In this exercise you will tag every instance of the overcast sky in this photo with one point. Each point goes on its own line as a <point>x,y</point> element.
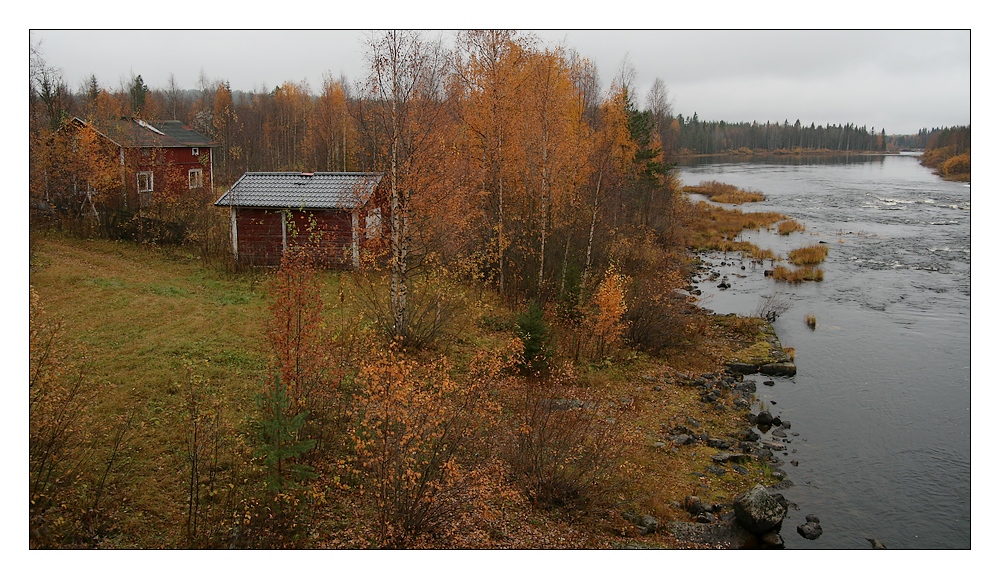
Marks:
<point>897,80</point>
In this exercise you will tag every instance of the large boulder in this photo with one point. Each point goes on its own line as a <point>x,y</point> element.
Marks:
<point>757,511</point>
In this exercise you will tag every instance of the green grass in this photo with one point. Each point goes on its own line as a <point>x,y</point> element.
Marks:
<point>141,320</point>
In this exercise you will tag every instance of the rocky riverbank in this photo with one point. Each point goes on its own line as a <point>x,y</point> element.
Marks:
<point>753,518</point>
<point>757,441</point>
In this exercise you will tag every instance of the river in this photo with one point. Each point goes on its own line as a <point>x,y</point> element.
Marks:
<point>881,404</point>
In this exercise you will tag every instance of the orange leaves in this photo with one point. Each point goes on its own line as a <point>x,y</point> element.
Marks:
<point>616,134</point>
<point>607,323</point>
<point>331,137</point>
<point>413,439</point>
<point>295,326</point>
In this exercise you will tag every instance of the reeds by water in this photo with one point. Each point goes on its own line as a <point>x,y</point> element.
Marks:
<point>725,193</point>
<point>789,226</point>
<point>797,275</point>
<point>811,255</point>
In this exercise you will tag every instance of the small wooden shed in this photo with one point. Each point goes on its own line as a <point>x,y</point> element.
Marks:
<point>335,213</point>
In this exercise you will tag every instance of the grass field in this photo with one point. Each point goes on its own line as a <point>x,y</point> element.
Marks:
<point>150,324</point>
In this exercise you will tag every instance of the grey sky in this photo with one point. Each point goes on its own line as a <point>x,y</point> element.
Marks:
<point>897,80</point>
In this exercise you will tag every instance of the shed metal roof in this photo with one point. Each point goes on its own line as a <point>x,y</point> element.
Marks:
<point>301,190</point>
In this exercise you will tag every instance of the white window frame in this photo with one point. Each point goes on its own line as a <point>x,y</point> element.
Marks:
<point>199,179</point>
<point>138,181</point>
<point>145,194</point>
<point>194,151</point>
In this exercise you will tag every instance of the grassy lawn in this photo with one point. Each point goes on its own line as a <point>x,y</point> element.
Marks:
<point>148,322</point>
<point>143,320</point>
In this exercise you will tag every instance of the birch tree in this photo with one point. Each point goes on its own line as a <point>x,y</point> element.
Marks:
<point>403,107</point>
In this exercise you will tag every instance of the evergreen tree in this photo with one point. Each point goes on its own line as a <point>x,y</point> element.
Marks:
<point>280,444</point>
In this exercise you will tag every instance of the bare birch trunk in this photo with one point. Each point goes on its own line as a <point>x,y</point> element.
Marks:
<point>593,224</point>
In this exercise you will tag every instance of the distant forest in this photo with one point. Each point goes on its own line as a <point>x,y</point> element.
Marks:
<point>691,136</point>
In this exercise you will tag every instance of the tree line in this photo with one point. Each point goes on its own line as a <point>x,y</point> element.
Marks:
<point>949,152</point>
<point>693,136</point>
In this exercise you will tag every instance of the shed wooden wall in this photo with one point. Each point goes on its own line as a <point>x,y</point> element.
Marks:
<point>260,241</point>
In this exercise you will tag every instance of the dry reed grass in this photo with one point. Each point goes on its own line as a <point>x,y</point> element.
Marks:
<point>797,275</point>
<point>811,255</point>
<point>725,193</point>
<point>716,228</point>
<point>790,226</point>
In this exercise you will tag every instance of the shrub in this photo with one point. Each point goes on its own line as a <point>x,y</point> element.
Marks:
<point>433,303</point>
<point>564,452</point>
<point>771,306</point>
<point>295,328</point>
<point>659,319</point>
<point>607,322</point>
<point>59,446</point>
<point>416,426</point>
<point>74,454</point>
<point>811,321</point>
<point>957,165</point>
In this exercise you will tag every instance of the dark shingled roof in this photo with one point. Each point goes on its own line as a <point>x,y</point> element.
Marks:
<point>301,190</point>
<point>137,133</point>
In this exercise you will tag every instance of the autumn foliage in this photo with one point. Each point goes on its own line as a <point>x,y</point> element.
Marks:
<point>417,437</point>
<point>515,186</point>
<point>295,327</point>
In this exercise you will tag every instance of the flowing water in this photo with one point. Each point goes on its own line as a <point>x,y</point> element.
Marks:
<point>881,402</point>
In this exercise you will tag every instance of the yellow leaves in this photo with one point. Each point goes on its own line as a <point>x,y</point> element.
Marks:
<point>607,323</point>
<point>616,133</point>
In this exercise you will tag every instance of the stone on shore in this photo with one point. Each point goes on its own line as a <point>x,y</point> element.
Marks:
<point>757,511</point>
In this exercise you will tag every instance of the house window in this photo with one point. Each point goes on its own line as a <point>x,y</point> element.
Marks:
<point>144,182</point>
<point>194,151</point>
<point>194,179</point>
<point>373,223</point>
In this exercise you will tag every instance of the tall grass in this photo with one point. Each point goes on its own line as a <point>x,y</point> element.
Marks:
<point>811,255</point>
<point>797,275</point>
<point>790,226</point>
<point>725,193</point>
<point>716,228</point>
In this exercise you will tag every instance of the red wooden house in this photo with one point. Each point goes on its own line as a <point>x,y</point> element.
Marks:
<point>335,213</point>
<point>163,158</point>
